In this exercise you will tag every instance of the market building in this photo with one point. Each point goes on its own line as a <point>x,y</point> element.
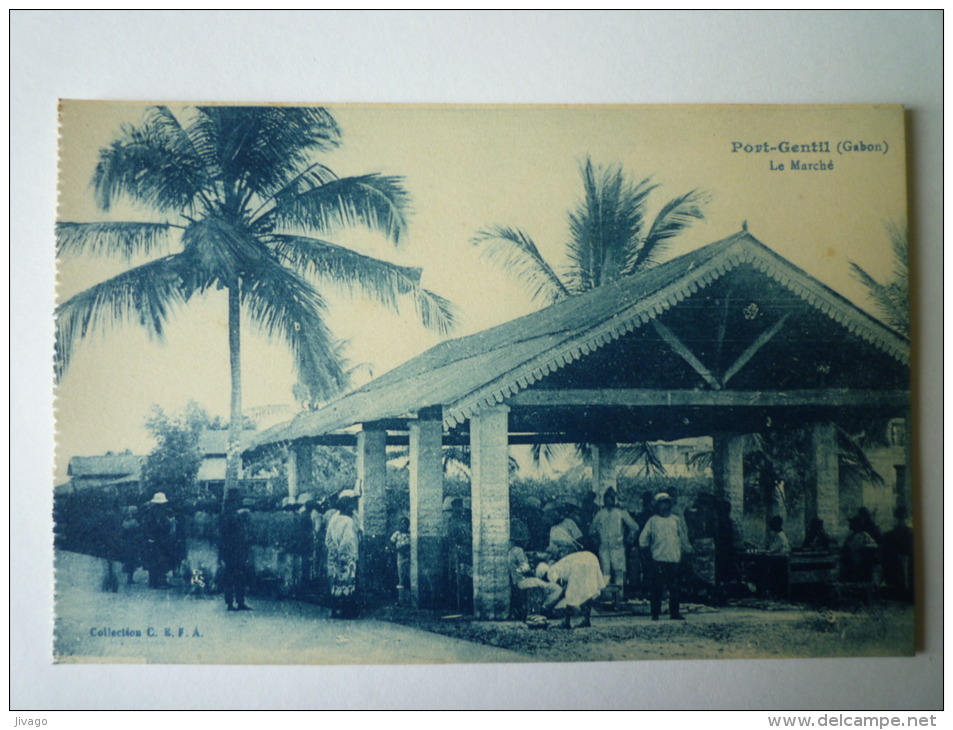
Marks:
<point>728,340</point>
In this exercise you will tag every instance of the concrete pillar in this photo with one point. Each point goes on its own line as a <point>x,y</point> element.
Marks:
<point>372,475</point>
<point>603,470</point>
<point>824,479</point>
<point>300,468</point>
<point>372,515</point>
<point>727,467</point>
<point>426,511</point>
<point>490,491</point>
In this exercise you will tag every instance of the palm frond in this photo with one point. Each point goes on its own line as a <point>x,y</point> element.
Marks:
<point>547,453</point>
<point>348,270</point>
<point>514,251</point>
<point>855,468</point>
<point>436,313</point>
<point>309,400</point>
<point>891,303</point>
<point>899,242</point>
<point>701,460</point>
<point>676,215</point>
<point>892,300</point>
<point>643,455</point>
<point>287,308</point>
<point>191,137</point>
<point>144,295</point>
<point>125,239</point>
<point>378,202</point>
<point>150,165</point>
<point>259,148</point>
<point>354,273</point>
<point>605,227</point>
<point>583,451</point>
<point>183,140</point>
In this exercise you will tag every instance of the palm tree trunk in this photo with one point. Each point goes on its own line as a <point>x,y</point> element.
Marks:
<point>233,454</point>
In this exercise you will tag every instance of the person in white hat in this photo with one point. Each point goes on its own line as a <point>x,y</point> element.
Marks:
<point>666,537</point>
<point>159,531</point>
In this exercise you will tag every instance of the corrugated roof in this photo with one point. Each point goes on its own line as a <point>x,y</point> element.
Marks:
<point>469,373</point>
<point>106,465</point>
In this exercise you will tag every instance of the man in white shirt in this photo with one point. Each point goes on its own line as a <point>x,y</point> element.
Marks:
<point>666,537</point>
<point>611,526</point>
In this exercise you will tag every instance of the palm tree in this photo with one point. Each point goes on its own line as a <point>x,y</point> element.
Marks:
<point>610,237</point>
<point>891,299</point>
<point>240,203</point>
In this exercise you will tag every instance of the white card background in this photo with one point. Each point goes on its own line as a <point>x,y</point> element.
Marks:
<point>516,57</point>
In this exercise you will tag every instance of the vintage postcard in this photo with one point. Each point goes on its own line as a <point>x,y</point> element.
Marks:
<point>365,384</point>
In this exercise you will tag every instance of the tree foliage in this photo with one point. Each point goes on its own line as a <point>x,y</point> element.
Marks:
<point>173,464</point>
<point>891,298</point>
<point>244,206</point>
<point>610,237</point>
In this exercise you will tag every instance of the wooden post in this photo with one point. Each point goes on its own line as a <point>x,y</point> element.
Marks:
<point>426,510</point>
<point>372,475</point>
<point>728,472</point>
<point>825,478</point>
<point>490,491</point>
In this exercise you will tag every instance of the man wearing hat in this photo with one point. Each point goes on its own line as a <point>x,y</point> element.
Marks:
<point>665,536</point>
<point>234,550</point>
<point>159,529</point>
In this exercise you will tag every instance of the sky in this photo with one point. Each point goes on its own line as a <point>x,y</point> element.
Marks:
<point>467,167</point>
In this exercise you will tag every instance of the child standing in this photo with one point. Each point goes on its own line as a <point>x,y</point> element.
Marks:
<point>401,542</point>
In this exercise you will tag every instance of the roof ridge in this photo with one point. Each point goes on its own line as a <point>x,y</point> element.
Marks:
<point>567,330</point>
<point>655,304</point>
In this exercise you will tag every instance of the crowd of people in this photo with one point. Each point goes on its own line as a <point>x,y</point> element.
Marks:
<point>562,558</point>
<point>582,564</point>
<point>295,547</point>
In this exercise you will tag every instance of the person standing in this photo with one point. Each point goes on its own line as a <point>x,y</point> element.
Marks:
<point>159,526</point>
<point>130,539</point>
<point>401,542</point>
<point>859,555</point>
<point>565,537</point>
<point>665,536</point>
<point>234,551</point>
<point>343,546</point>
<point>613,528</point>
